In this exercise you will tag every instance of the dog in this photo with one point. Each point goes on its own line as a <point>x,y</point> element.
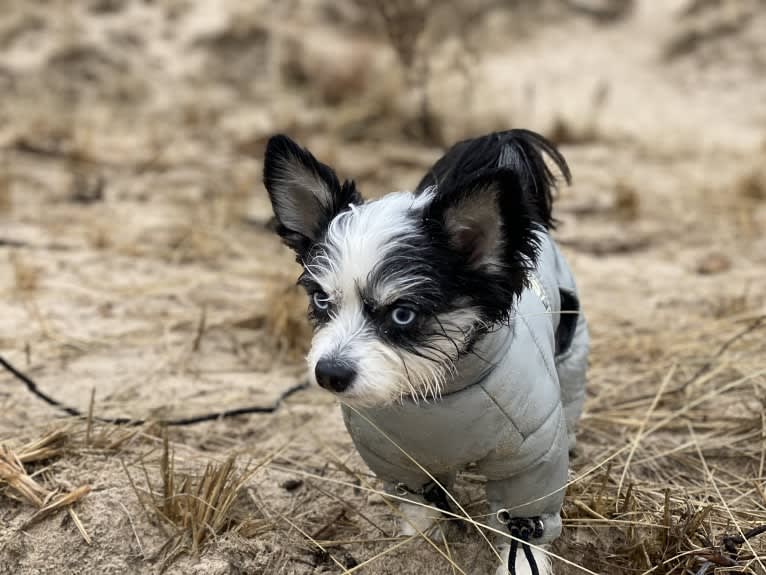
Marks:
<point>448,324</point>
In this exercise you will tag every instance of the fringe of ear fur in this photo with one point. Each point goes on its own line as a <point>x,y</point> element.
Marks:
<point>519,151</point>
<point>284,157</point>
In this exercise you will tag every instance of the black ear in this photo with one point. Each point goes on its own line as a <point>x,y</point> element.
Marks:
<point>492,195</point>
<point>490,223</point>
<point>519,151</point>
<point>305,194</point>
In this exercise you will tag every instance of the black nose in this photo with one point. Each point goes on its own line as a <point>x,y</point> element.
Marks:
<point>334,375</point>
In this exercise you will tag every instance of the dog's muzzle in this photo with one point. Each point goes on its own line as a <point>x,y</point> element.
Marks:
<point>334,375</point>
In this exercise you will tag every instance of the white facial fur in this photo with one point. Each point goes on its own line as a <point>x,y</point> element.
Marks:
<point>357,240</point>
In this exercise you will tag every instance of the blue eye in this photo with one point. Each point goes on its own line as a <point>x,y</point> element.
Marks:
<point>403,316</point>
<point>320,300</point>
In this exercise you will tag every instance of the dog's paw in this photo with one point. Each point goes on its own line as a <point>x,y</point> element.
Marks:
<point>419,519</point>
<point>522,564</point>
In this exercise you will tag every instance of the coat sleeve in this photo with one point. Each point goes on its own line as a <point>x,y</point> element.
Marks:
<point>537,491</point>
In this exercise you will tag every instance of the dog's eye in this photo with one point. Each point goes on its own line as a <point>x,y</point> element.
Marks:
<point>403,316</point>
<point>320,300</point>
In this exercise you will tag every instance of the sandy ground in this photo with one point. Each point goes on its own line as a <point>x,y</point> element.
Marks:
<point>135,263</point>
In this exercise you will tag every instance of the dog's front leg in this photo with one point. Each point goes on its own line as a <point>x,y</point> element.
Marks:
<point>417,518</point>
<point>421,507</point>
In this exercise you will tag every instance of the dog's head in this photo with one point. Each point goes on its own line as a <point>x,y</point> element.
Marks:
<point>402,287</point>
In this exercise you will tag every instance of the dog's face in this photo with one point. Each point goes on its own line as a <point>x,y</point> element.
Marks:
<point>400,288</point>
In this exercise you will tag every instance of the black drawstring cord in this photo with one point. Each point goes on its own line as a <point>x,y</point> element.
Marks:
<point>523,528</point>
<point>527,553</point>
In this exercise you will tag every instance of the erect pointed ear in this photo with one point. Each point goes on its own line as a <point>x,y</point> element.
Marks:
<point>305,194</point>
<point>489,222</point>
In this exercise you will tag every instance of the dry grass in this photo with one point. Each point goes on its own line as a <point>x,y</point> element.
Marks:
<point>749,197</point>
<point>689,482</point>
<point>585,128</point>
<point>285,321</point>
<point>564,131</point>
<point>196,508</point>
<point>15,476</point>
<point>99,237</point>
<point>627,201</point>
<point>26,276</point>
<point>404,23</point>
<point>752,185</point>
<point>6,193</point>
<point>705,23</point>
<point>282,322</point>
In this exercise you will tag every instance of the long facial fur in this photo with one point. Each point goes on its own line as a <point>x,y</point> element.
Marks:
<point>457,250</point>
<point>373,256</point>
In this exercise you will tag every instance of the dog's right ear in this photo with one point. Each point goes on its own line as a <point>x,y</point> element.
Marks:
<point>305,194</point>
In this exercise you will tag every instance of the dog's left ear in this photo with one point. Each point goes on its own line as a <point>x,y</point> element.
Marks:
<point>305,193</point>
<point>489,222</point>
<point>491,197</point>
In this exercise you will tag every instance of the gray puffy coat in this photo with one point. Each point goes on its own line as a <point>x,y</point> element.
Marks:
<point>510,415</point>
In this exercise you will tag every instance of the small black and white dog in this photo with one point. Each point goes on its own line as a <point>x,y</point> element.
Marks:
<point>447,323</point>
